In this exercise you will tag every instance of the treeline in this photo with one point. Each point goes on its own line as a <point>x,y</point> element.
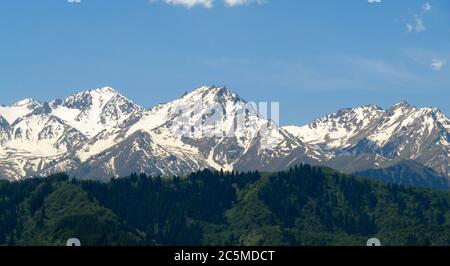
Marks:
<point>302,206</point>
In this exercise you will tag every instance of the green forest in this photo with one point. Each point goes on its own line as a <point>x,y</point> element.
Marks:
<point>305,205</point>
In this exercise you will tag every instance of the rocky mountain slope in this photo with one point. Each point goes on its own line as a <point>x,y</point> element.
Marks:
<point>100,134</point>
<point>370,137</point>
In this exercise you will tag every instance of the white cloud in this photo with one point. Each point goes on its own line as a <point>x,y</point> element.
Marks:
<point>74,1</point>
<point>427,7</point>
<point>374,1</point>
<point>437,64</point>
<point>205,3</point>
<point>418,25</point>
<point>232,3</point>
<point>191,3</point>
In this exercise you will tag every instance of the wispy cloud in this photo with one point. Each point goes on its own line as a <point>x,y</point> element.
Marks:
<point>342,72</point>
<point>191,3</point>
<point>74,1</point>
<point>394,73</point>
<point>417,24</point>
<point>206,3</point>
<point>427,7</point>
<point>427,58</point>
<point>232,3</point>
<point>437,64</point>
<point>374,1</point>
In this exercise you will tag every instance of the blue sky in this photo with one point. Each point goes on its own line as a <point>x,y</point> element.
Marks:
<point>314,57</point>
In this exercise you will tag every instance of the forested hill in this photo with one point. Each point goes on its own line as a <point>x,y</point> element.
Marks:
<point>303,206</point>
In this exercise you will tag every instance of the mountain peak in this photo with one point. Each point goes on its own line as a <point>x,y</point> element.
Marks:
<point>20,109</point>
<point>210,89</point>
<point>214,93</point>
<point>402,104</point>
<point>85,99</point>
<point>105,90</point>
<point>370,107</point>
<point>25,102</point>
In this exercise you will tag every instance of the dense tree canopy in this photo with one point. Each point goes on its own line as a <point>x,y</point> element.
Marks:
<point>302,206</point>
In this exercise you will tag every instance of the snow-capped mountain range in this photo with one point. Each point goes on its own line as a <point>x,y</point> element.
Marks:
<point>381,137</point>
<point>100,134</point>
